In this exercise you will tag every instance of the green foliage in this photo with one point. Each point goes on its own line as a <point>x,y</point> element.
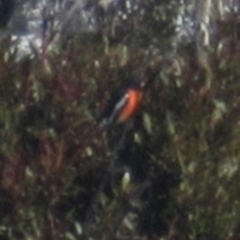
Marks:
<point>182,148</point>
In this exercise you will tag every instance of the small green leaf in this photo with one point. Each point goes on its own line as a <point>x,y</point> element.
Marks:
<point>147,123</point>
<point>70,236</point>
<point>89,151</point>
<point>78,228</point>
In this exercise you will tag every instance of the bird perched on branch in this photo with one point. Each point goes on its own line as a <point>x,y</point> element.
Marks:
<point>122,105</point>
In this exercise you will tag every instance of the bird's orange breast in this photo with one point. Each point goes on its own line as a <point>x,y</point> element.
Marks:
<point>132,105</point>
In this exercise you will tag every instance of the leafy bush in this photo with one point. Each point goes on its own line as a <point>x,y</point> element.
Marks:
<point>60,179</point>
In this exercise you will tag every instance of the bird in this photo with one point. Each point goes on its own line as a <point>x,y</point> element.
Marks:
<point>122,105</point>
<point>125,101</point>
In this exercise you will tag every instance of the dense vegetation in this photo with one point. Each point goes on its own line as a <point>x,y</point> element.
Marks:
<point>62,177</point>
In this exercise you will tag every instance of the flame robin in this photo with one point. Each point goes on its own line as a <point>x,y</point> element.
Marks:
<point>125,102</point>
<point>122,105</point>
